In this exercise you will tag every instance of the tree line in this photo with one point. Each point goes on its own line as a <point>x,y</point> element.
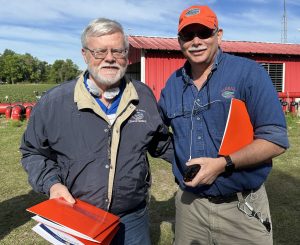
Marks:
<point>24,68</point>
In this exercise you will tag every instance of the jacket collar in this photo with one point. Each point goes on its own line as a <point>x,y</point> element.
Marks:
<point>84,99</point>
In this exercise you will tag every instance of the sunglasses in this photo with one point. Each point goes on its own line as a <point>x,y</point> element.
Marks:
<point>202,34</point>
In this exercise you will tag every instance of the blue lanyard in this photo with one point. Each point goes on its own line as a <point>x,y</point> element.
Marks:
<point>115,104</point>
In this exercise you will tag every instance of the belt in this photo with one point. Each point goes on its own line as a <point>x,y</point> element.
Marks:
<point>226,199</point>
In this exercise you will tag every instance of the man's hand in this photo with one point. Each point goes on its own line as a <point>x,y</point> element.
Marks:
<point>59,190</point>
<point>210,169</point>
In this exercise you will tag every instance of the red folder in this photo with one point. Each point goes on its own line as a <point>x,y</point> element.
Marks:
<point>238,131</point>
<point>81,216</point>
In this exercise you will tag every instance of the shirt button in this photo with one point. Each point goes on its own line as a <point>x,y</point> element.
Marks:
<point>106,130</point>
<point>199,137</point>
<point>106,166</point>
<point>106,200</point>
<point>198,118</point>
<point>198,100</point>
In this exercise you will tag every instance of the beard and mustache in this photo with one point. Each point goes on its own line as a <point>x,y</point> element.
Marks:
<point>100,79</point>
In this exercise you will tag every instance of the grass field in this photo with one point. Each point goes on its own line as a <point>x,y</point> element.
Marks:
<point>283,186</point>
<point>22,92</point>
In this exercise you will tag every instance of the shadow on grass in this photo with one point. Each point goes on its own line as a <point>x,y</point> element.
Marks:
<point>13,211</point>
<point>161,211</point>
<point>284,197</point>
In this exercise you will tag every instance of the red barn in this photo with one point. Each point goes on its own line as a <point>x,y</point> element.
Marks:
<point>153,59</point>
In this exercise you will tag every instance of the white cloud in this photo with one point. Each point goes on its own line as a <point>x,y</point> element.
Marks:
<point>35,34</point>
<point>45,52</point>
<point>29,10</point>
<point>258,24</point>
<point>50,29</point>
<point>46,10</point>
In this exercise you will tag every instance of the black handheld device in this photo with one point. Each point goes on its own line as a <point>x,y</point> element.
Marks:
<point>191,172</point>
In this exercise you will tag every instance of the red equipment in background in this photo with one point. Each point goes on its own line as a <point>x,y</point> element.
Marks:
<point>293,107</point>
<point>3,107</point>
<point>28,111</point>
<point>284,105</point>
<point>16,110</point>
<point>8,112</point>
<point>289,101</point>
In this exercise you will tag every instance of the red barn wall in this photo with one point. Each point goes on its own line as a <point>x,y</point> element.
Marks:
<point>292,71</point>
<point>292,76</point>
<point>159,66</point>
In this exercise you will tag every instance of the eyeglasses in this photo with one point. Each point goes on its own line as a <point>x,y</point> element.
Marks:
<point>202,34</point>
<point>102,53</point>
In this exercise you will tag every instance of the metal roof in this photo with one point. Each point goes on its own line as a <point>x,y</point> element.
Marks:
<point>157,43</point>
<point>170,43</point>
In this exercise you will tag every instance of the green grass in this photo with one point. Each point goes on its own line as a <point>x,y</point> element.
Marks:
<point>15,194</point>
<point>283,186</point>
<point>22,92</point>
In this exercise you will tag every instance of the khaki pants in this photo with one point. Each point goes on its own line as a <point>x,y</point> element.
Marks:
<point>199,221</point>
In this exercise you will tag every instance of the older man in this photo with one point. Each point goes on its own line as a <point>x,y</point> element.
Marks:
<point>89,138</point>
<point>226,202</point>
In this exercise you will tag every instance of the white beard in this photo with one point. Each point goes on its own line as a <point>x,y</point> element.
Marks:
<point>102,80</point>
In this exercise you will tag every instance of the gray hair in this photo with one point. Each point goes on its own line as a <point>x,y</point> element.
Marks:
<point>100,27</point>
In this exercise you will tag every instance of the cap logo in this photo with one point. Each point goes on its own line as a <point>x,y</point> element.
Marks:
<point>192,12</point>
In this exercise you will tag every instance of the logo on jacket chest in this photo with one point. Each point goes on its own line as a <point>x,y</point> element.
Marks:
<point>228,92</point>
<point>138,117</point>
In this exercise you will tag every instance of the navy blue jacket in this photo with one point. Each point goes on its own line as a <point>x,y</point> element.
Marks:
<point>200,133</point>
<point>69,140</point>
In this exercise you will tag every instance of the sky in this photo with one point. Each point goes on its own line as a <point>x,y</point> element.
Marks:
<point>51,29</point>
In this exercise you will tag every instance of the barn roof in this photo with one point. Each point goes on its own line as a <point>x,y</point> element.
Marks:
<point>169,43</point>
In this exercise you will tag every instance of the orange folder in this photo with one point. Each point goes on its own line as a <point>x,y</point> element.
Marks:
<point>81,217</point>
<point>238,131</point>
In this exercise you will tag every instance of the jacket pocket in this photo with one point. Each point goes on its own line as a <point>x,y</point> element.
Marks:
<point>74,168</point>
<point>132,186</point>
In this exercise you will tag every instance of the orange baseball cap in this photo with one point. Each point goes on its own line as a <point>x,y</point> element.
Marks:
<point>198,15</point>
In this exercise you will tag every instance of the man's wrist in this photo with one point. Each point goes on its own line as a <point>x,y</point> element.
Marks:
<point>49,183</point>
<point>230,166</point>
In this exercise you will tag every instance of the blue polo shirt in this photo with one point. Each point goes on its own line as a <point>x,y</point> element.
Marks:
<point>198,118</point>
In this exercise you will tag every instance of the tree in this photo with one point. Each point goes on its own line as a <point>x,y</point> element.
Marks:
<point>36,70</point>
<point>63,70</point>
<point>16,68</point>
<point>12,67</point>
<point>71,70</point>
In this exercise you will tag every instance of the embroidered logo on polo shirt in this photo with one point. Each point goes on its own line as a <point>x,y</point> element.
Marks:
<point>228,92</point>
<point>138,117</point>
